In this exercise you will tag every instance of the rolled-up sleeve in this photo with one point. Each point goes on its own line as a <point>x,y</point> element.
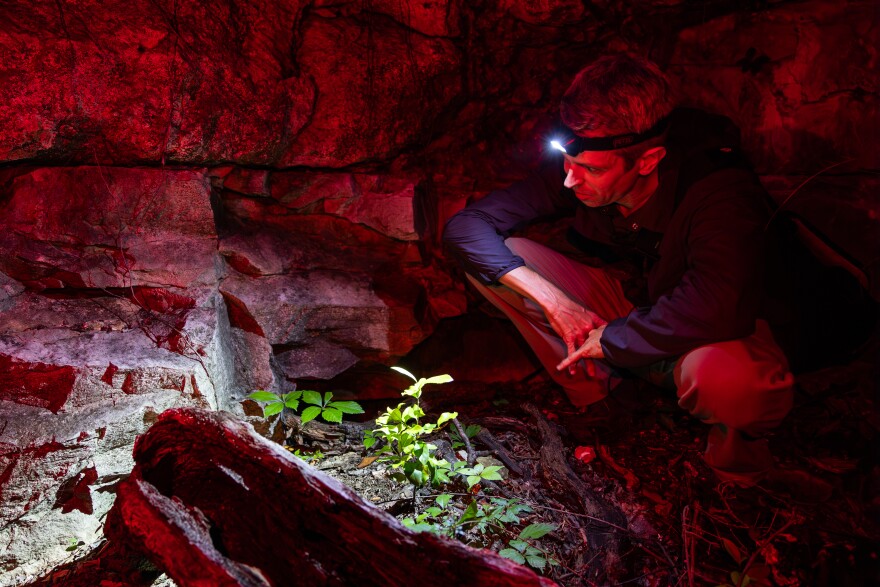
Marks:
<point>475,236</point>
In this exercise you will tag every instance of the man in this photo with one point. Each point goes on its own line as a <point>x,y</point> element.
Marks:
<point>665,192</point>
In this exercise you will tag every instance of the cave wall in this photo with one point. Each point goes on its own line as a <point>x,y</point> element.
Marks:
<point>198,199</point>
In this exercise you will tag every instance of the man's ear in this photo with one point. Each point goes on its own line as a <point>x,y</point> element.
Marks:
<point>650,159</point>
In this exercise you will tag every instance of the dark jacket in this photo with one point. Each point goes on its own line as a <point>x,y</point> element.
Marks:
<point>699,239</point>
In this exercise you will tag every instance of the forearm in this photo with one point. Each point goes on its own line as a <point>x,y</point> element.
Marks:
<point>531,285</point>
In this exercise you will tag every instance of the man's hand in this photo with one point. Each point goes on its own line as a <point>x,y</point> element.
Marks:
<point>571,321</point>
<point>591,349</point>
<point>576,325</point>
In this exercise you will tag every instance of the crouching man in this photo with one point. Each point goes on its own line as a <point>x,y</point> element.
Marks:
<point>666,192</point>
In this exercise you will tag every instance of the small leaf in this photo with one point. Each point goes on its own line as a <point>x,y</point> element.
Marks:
<point>443,500</point>
<point>291,395</point>
<point>263,396</point>
<point>347,407</point>
<point>536,561</point>
<point>519,545</point>
<point>473,480</point>
<point>310,413</point>
<point>312,397</point>
<point>534,531</point>
<point>445,417</point>
<point>513,555</point>
<point>328,395</point>
<point>433,511</point>
<point>272,409</point>
<point>369,441</point>
<point>331,415</point>
<point>438,379</point>
<point>472,430</point>
<point>293,404</point>
<point>405,372</point>
<point>492,473</point>
<point>732,550</point>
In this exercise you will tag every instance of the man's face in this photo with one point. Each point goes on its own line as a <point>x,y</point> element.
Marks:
<point>599,178</point>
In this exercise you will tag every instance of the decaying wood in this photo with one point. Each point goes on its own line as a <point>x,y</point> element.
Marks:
<point>559,477</point>
<point>212,503</point>
<point>489,440</point>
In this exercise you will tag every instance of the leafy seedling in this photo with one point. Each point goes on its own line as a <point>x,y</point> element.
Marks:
<point>328,410</point>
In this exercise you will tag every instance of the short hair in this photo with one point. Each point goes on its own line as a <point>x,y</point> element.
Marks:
<point>617,94</point>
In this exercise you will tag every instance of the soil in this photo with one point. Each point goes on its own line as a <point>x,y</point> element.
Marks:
<point>642,458</point>
<point>656,514</point>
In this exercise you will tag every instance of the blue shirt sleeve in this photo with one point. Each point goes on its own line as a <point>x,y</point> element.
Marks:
<point>475,235</point>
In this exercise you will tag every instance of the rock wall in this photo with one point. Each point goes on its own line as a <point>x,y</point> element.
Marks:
<point>199,198</point>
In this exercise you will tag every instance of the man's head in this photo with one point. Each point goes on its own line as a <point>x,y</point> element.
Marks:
<point>616,95</point>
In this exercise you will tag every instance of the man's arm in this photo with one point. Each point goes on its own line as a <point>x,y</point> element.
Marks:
<point>475,235</point>
<point>571,321</point>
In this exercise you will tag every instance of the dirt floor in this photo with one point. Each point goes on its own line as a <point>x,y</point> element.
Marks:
<point>629,497</point>
<point>669,521</point>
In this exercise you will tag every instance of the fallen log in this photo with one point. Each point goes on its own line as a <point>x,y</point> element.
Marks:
<point>210,502</point>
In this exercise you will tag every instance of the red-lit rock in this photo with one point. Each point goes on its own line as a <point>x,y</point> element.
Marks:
<point>796,81</point>
<point>90,227</point>
<point>377,88</point>
<point>127,82</point>
<point>436,18</point>
<point>35,384</point>
<point>177,511</point>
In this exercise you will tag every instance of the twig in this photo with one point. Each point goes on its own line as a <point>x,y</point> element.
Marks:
<point>471,457</point>
<point>798,188</point>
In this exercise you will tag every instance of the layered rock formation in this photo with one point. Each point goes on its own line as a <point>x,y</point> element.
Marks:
<point>199,199</point>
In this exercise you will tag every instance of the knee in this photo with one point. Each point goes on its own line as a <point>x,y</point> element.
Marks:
<point>726,384</point>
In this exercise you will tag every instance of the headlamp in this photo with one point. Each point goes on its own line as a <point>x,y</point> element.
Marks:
<point>574,144</point>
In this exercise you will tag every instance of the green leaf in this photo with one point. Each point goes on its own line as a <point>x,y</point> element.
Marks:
<point>492,473</point>
<point>405,372</point>
<point>331,415</point>
<point>312,397</point>
<point>291,395</point>
<point>263,396</point>
<point>536,561</point>
<point>438,379</point>
<point>519,545</point>
<point>443,500</point>
<point>347,407</point>
<point>473,480</point>
<point>293,404</point>
<point>433,511</point>
<point>310,413</point>
<point>534,531</point>
<point>513,555</point>
<point>272,409</point>
<point>369,441</point>
<point>418,477</point>
<point>328,395</point>
<point>445,417</point>
<point>473,430</point>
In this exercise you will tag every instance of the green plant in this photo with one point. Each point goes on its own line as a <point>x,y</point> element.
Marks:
<point>400,429</point>
<point>471,431</point>
<point>478,472</point>
<point>309,457</point>
<point>523,552</point>
<point>319,405</point>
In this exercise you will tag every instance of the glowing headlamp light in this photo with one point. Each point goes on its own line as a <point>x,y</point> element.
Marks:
<point>558,146</point>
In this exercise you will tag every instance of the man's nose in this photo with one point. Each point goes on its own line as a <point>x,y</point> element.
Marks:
<point>570,179</point>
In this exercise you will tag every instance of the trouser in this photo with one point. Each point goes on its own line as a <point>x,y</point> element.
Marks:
<point>742,387</point>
